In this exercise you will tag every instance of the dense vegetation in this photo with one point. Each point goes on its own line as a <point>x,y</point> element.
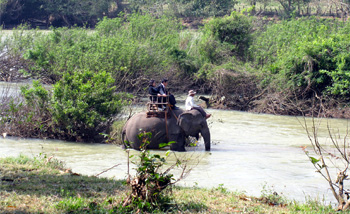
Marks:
<point>291,66</point>
<point>308,57</point>
<point>58,13</point>
<point>280,67</point>
<point>80,107</point>
<point>294,66</point>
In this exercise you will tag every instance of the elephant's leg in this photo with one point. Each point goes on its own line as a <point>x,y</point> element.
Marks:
<point>179,144</point>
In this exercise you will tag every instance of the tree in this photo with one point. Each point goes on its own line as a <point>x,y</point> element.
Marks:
<point>3,4</point>
<point>290,6</point>
<point>69,12</point>
<point>331,161</point>
<point>77,12</point>
<point>18,11</point>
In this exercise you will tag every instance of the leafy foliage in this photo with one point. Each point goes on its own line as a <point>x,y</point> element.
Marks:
<point>130,49</point>
<point>303,57</point>
<point>79,107</point>
<point>84,103</point>
<point>235,30</point>
<point>224,42</point>
<point>309,54</point>
<point>149,181</point>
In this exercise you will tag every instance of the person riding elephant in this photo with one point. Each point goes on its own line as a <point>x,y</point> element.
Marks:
<point>189,104</point>
<point>177,128</point>
<point>164,92</point>
<point>153,91</point>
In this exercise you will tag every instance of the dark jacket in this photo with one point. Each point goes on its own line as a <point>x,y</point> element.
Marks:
<point>154,92</point>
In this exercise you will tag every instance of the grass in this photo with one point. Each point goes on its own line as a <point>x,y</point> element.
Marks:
<point>43,185</point>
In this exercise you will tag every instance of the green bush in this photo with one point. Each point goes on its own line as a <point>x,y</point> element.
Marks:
<point>306,54</point>
<point>36,97</point>
<point>220,45</point>
<point>235,30</point>
<point>79,107</point>
<point>85,103</point>
<point>151,179</point>
<point>141,46</point>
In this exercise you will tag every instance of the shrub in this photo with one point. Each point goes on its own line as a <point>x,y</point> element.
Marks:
<point>308,55</point>
<point>149,181</point>
<point>152,178</point>
<point>26,116</point>
<point>135,48</point>
<point>330,158</point>
<point>235,30</point>
<point>80,107</point>
<point>85,103</point>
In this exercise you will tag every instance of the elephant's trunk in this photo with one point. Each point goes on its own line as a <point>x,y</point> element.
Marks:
<point>206,136</point>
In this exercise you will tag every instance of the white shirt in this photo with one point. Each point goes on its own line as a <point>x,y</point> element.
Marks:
<point>162,89</point>
<point>190,103</point>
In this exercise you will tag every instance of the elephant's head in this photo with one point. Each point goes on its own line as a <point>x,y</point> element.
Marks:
<point>192,123</point>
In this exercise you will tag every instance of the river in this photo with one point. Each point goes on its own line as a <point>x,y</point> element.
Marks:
<point>250,152</point>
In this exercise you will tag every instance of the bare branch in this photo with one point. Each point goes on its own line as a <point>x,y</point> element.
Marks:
<point>107,170</point>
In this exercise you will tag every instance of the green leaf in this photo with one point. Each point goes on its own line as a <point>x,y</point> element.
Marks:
<point>161,145</point>
<point>314,160</point>
<point>167,153</point>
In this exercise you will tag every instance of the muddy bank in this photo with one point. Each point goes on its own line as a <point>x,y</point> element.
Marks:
<point>243,92</point>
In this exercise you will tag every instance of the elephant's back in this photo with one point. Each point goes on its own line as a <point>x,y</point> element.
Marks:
<point>141,123</point>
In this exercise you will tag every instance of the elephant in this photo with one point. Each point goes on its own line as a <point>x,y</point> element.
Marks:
<point>180,124</point>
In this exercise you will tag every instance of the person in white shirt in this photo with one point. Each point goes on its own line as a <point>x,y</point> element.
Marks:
<point>189,104</point>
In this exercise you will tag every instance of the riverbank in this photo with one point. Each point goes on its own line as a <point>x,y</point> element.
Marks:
<point>44,185</point>
<point>282,76</point>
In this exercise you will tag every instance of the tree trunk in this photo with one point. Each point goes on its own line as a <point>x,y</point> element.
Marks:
<point>65,19</point>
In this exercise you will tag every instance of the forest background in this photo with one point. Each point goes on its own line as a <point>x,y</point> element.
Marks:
<point>286,57</point>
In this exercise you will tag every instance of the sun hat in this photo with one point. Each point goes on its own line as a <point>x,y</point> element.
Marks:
<point>191,92</point>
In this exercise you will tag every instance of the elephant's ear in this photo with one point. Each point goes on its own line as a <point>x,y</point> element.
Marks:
<point>184,120</point>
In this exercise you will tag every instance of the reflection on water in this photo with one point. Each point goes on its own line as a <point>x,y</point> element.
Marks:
<point>249,151</point>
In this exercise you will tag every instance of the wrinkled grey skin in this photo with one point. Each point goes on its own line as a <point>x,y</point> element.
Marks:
<point>186,123</point>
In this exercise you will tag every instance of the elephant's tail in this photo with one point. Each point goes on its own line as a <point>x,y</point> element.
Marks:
<point>124,141</point>
<point>123,138</point>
